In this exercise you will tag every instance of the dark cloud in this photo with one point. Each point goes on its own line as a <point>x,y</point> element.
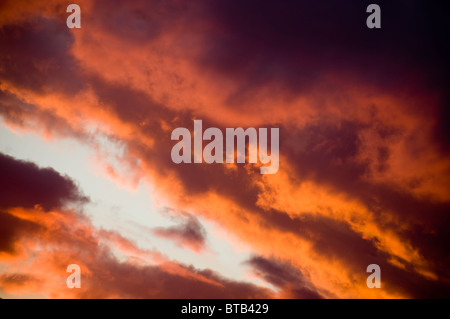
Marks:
<point>190,233</point>
<point>144,20</point>
<point>131,281</point>
<point>327,152</point>
<point>35,56</point>
<point>12,229</point>
<point>288,278</point>
<point>23,184</point>
<point>301,40</point>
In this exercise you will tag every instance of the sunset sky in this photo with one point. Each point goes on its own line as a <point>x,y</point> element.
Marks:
<point>86,175</point>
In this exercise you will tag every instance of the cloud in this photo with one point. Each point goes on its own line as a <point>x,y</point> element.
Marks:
<point>284,276</point>
<point>364,166</point>
<point>24,184</point>
<point>13,228</point>
<point>190,234</point>
<point>51,239</point>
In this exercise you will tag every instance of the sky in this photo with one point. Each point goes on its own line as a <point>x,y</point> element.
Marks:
<point>86,175</point>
